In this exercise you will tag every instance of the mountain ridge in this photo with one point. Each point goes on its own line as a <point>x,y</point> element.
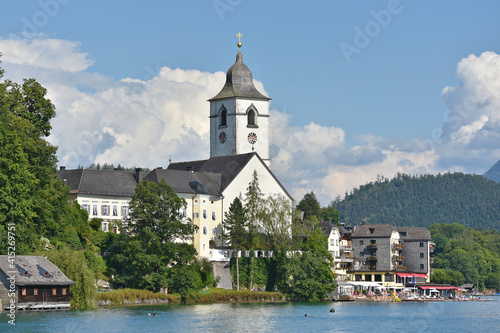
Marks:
<point>420,201</point>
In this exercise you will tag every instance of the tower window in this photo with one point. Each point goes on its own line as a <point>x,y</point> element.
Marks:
<point>223,118</point>
<point>251,117</point>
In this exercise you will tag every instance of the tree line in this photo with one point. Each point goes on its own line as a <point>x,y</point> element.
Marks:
<point>470,200</point>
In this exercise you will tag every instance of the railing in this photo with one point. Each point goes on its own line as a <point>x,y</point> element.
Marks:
<point>398,246</point>
<point>372,258</point>
<point>346,258</point>
<point>345,248</point>
<point>372,247</point>
<point>367,268</point>
<point>400,268</point>
<point>398,258</point>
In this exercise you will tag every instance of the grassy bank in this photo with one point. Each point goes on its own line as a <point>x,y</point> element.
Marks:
<point>223,296</point>
<point>135,296</point>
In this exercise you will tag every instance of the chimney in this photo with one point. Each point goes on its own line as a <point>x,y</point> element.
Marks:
<point>62,167</point>
<point>138,175</point>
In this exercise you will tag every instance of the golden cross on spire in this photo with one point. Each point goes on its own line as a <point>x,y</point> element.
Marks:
<point>239,35</point>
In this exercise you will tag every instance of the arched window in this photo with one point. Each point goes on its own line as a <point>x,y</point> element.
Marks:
<point>223,118</point>
<point>251,117</point>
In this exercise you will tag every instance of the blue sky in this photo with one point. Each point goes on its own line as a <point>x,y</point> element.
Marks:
<point>358,88</point>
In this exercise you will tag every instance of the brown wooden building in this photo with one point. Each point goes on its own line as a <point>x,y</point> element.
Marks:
<point>34,282</point>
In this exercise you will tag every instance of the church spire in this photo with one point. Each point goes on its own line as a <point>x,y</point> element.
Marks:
<point>239,80</point>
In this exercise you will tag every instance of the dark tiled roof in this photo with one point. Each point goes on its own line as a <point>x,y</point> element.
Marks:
<point>239,82</point>
<point>414,233</point>
<point>100,182</point>
<point>227,166</point>
<point>34,270</point>
<point>187,181</point>
<point>379,230</point>
<point>326,227</point>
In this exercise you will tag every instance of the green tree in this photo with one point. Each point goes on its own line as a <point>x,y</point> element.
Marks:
<point>277,222</point>
<point>310,206</point>
<point>330,214</point>
<point>308,277</point>
<point>155,247</point>
<point>254,199</point>
<point>235,228</point>
<point>74,266</point>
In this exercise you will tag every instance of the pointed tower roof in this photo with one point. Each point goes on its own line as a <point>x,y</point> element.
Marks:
<point>239,82</point>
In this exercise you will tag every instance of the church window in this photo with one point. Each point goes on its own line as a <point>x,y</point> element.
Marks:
<point>251,117</point>
<point>223,118</point>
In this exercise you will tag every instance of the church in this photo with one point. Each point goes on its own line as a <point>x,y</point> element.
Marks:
<point>239,146</point>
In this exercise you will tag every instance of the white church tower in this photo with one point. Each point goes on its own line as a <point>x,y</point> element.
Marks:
<point>239,115</point>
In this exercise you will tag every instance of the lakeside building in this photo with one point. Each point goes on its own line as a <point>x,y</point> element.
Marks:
<point>38,283</point>
<point>379,255</point>
<point>239,146</point>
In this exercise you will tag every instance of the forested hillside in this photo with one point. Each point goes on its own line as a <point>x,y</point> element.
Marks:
<point>470,200</point>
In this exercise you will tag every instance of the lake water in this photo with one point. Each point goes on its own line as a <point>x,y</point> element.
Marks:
<point>264,317</point>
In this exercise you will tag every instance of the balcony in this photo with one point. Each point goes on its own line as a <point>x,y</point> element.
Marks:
<point>347,258</point>
<point>345,248</point>
<point>400,268</point>
<point>372,247</point>
<point>368,268</point>
<point>371,258</point>
<point>398,246</point>
<point>398,258</point>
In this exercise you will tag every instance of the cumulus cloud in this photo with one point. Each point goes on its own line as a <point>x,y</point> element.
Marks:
<point>142,122</point>
<point>471,132</point>
<point>54,54</point>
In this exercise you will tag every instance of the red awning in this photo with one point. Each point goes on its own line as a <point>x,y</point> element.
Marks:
<point>410,275</point>
<point>439,287</point>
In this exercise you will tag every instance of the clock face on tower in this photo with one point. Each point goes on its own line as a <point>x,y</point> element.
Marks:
<point>252,137</point>
<point>222,137</point>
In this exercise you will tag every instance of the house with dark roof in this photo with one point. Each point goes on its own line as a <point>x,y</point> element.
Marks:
<point>104,194</point>
<point>33,282</point>
<point>393,256</point>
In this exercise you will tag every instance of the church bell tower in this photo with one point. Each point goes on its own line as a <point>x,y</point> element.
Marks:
<point>239,115</point>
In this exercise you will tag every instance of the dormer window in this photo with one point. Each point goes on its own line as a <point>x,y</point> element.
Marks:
<point>26,273</point>
<point>47,274</point>
<point>371,230</point>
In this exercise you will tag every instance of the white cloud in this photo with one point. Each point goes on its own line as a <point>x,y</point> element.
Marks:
<point>471,132</point>
<point>54,54</point>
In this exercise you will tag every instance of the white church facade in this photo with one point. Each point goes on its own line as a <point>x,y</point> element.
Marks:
<point>239,146</point>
